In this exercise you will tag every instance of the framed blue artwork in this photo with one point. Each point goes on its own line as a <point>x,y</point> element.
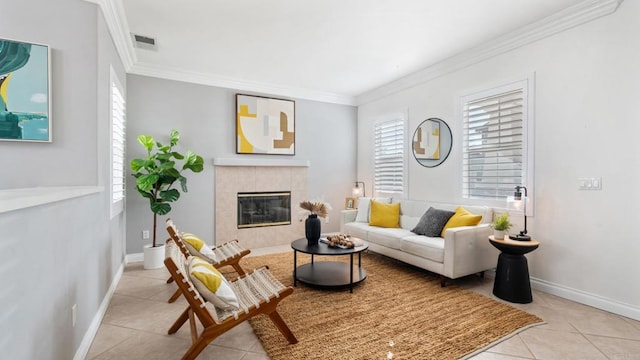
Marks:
<point>25,96</point>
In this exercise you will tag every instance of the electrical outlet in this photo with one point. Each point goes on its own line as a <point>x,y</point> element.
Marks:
<point>74,311</point>
<point>145,234</point>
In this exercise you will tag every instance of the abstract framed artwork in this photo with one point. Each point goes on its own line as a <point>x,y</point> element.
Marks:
<point>265,125</point>
<point>25,84</point>
<point>432,142</point>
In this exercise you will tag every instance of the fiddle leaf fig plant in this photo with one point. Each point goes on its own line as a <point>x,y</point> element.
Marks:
<point>157,174</point>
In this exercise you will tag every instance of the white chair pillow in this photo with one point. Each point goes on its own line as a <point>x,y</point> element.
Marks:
<point>197,247</point>
<point>211,284</point>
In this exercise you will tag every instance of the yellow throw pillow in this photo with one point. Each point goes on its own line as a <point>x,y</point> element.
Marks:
<point>211,284</point>
<point>197,247</point>
<point>385,215</point>
<point>462,217</point>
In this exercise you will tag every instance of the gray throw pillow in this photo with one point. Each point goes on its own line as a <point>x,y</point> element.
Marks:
<point>432,222</point>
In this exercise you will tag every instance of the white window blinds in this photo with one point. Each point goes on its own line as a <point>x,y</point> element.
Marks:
<point>118,127</point>
<point>389,156</point>
<point>494,152</point>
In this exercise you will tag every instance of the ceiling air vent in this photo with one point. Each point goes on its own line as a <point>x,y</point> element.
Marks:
<point>144,42</point>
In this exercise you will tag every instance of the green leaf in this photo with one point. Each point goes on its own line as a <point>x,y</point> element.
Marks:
<point>164,156</point>
<point>193,162</point>
<point>146,141</point>
<point>146,194</point>
<point>146,182</point>
<point>172,172</point>
<point>160,208</point>
<point>183,183</point>
<point>165,148</point>
<point>175,137</point>
<point>170,195</point>
<point>167,165</point>
<point>137,164</point>
<point>177,155</point>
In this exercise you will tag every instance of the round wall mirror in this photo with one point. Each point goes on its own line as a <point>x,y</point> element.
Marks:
<point>432,142</point>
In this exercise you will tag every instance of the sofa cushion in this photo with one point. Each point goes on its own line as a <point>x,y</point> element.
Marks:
<point>363,207</point>
<point>431,248</point>
<point>384,215</point>
<point>462,217</point>
<point>357,229</point>
<point>389,237</point>
<point>211,284</point>
<point>432,222</point>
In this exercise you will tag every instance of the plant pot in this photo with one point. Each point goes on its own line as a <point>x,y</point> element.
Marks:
<point>153,256</point>
<point>312,229</point>
<point>498,234</point>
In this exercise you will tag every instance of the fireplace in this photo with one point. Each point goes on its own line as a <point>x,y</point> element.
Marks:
<point>258,209</point>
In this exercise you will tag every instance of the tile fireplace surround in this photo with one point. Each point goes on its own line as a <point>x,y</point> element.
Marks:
<point>246,175</point>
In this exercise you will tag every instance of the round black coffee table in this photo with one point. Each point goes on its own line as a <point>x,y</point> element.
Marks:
<point>327,273</point>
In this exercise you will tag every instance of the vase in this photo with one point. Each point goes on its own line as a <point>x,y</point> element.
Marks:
<point>312,229</point>
<point>498,234</point>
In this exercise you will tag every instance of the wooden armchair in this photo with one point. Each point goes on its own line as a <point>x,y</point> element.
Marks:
<point>228,253</point>
<point>258,292</point>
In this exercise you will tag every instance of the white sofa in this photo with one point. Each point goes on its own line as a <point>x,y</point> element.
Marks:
<point>463,251</point>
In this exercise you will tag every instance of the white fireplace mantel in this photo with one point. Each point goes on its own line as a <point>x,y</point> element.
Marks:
<point>260,162</point>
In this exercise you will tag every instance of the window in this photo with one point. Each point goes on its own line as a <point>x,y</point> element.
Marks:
<point>118,127</point>
<point>389,155</point>
<point>496,136</point>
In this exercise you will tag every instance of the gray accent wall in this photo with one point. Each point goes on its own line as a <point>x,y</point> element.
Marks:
<point>67,252</point>
<point>205,117</point>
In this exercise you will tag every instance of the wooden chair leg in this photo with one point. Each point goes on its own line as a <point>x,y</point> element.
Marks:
<point>196,348</point>
<point>282,326</point>
<point>179,321</point>
<point>238,269</point>
<point>169,280</point>
<point>175,296</point>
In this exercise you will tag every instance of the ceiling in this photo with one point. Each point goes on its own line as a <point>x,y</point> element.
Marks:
<point>339,48</point>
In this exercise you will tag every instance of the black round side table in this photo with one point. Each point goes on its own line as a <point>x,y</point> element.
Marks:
<point>512,273</point>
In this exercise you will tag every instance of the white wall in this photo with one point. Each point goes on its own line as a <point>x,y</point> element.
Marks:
<point>205,115</point>
<point>586,124</point>
<point>68,252</point>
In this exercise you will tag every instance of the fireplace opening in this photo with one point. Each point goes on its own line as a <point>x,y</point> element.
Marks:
<point>256,209</point>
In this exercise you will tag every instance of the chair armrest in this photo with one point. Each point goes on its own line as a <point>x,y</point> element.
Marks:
<point>467,250</point>
<point>347,216</point>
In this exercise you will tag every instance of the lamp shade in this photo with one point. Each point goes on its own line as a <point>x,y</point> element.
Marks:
<point>515,205</point>
<point>358,190</point>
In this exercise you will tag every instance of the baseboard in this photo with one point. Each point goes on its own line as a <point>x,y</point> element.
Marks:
<point>85,345</point>
<point>137,257</point>
<point>597,301</point>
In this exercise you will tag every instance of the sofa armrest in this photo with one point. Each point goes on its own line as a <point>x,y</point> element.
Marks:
<point>347,216</point>
<point>467,250</point>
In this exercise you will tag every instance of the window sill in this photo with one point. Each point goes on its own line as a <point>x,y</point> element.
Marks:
<point>16,199</point>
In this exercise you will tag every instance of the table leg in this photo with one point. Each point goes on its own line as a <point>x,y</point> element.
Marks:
<point>295,267</point>
<point>351,274</point>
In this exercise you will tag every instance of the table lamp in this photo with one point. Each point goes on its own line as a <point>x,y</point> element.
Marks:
<point>357,191</point>
<point>517,202</point>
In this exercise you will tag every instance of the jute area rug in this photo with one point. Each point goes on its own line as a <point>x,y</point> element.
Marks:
<point>397,309</point>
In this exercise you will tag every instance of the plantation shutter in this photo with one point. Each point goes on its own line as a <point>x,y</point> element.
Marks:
<point>118,118</point>
<point>389,156</point>
<point>493,145</point>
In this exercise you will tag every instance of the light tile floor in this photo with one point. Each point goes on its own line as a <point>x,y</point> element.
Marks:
<point>138,317</point>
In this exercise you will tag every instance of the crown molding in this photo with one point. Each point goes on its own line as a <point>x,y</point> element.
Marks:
<point>116,20</point>
<point>154,70</point>
<point>566,19</point>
